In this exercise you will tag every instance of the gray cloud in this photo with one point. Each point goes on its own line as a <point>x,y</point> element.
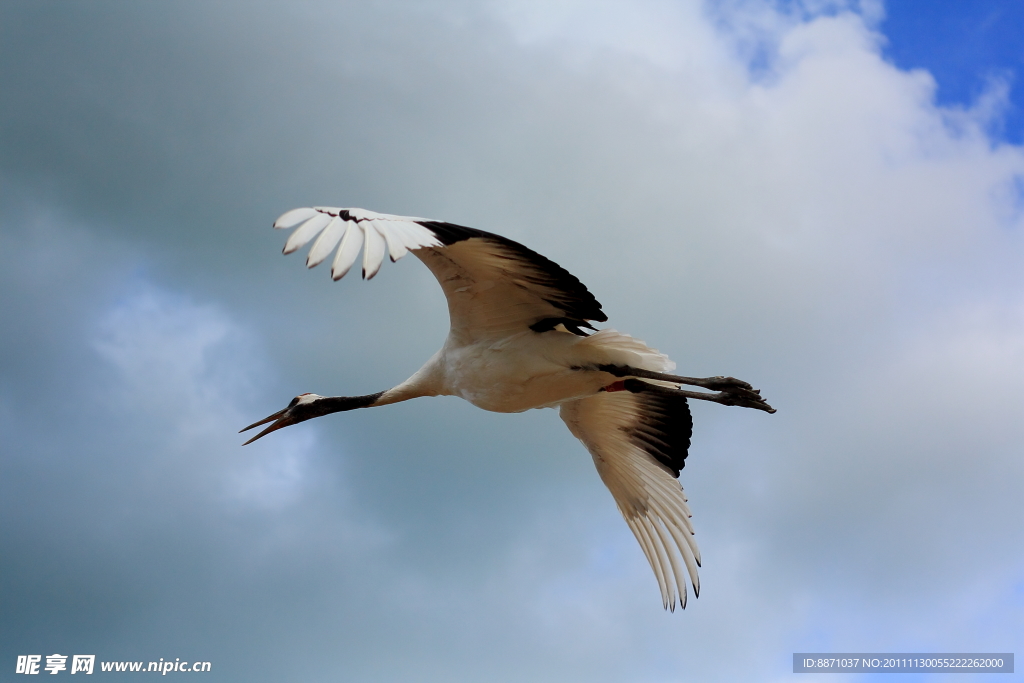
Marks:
<point>818,227</point>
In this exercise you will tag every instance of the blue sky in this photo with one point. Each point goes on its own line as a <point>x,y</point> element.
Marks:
<point>825,202</point>
<point>963,45</point>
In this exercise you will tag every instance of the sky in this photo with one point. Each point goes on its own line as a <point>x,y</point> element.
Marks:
<point>823,198</point>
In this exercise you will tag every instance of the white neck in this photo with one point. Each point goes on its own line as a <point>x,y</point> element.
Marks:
<point>427,381</point>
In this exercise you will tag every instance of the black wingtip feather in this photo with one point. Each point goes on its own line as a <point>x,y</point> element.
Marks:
<point>665,425</point>
<point>576,300</point>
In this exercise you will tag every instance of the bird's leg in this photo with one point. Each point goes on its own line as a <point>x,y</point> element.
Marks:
<point>742,398</point>
<point>718,383</point>
<point>728,390</point>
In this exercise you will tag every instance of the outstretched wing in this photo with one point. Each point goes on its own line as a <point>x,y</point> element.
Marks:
<point>494,286</point>
<point>639,438</point>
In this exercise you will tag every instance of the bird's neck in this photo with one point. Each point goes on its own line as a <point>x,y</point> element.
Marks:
<point>337,404</point>
<point>427,381</point>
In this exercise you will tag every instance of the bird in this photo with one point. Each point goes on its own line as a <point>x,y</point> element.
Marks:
<point>521,337</point>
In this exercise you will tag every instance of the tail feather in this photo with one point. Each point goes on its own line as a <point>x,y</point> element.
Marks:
<point>621,349</point>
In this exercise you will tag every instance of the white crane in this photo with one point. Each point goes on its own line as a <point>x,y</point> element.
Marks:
<point>518,341</point>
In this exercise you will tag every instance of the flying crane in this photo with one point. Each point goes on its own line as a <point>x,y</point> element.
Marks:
<point>521,337</point>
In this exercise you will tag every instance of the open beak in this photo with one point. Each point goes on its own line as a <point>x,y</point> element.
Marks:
<point>282,420</point>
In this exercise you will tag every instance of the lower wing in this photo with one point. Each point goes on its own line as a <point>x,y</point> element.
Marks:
<point>639,440</point>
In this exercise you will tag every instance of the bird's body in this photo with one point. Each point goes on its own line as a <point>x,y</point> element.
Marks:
<point>518,341</point>
<point>525,370</point>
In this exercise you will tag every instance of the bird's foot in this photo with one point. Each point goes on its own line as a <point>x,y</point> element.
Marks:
<point>743,397</point>
<point>727,384</point>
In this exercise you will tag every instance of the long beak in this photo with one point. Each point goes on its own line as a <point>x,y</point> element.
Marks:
<point>282,421</point>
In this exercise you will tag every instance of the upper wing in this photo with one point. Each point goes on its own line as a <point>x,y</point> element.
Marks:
<point>639,438</point>
<point>494,286</point>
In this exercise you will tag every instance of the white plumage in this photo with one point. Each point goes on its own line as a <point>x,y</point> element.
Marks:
<point>379,231</point>
<point>518,341</point>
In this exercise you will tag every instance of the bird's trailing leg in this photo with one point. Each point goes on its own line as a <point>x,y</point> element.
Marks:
<point>728,391</point>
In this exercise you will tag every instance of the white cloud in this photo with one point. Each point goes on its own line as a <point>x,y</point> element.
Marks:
<point>185,372</point>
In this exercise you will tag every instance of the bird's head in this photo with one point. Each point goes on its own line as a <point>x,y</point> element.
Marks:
<point>303,407</point>
<point>307,406</point>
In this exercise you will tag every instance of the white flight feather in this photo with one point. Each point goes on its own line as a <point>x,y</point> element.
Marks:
<point>396,248</point>
<point>306,232</point>
<point>292,218</point>
<point>373,252</point>
<point>326,242</point>
<point>348,252</point>
<point>376,234</point>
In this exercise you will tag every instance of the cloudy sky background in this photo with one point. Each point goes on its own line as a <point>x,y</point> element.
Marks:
<point>818,197</point>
